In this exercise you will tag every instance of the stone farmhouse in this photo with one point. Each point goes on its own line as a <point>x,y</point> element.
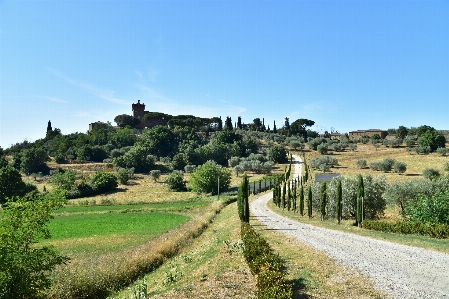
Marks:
<point>369,133</point>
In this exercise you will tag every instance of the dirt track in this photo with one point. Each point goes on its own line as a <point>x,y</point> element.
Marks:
<point>400,271</point>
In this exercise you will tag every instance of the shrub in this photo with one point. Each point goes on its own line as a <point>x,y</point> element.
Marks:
<point>176,181</point>
<point>374,166</point>
<point>431,173</point>
<point>361,163</point>
<point>322,148</point>
<point>442,151</point>
<point>353,147</point>
<point>123,175</point>
<point>386,165</point>
<point>104,181</point>
<point>400,167</point>
<point>234,161</point>
<point>155,174</point>
<point>189,168</point>
<point>179,161</point>
<point>64,179</point>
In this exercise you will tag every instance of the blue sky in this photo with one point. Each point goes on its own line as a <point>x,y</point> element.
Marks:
<point>346,65</point>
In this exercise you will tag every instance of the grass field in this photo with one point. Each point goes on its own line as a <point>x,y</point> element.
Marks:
<point>415,163</point>
<point>96,233</point>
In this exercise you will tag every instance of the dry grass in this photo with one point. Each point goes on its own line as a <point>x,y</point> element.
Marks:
<point>415,163</point>
<point>207,268</point>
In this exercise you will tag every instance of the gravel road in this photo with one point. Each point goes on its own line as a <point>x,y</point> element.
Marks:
<point>400,271</point>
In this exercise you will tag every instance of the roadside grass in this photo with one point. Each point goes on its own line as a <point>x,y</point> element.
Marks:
<point>415,163</point>
<point>441,245</point>
<point>106,233</point>
<point>315,275</point>
<point>212,267</point>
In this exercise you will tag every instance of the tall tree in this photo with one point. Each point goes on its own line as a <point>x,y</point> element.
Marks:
<point>360,203</point>
<point>301,200</point>
<point>228,123</point>
<point>339,201</point>
<point>299,126</point>
<point>124,120</point>
<point>401,132</point>
<point>309,202</point>
<point>239,122</point>
<point>323,200</point>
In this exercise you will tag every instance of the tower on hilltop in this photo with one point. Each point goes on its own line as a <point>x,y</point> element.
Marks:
<point>138,110</point>
<point>49,128</point>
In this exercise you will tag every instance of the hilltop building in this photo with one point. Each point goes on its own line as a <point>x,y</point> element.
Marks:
<point>360,133</point>
<point>147,122</point>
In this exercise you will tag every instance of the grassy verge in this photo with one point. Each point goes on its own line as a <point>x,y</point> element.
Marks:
<point>313,274</point>
<point>212,267</point>
<point>441,245</point>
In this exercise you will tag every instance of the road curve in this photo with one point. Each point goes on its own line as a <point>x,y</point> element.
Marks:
<point>400,271</point>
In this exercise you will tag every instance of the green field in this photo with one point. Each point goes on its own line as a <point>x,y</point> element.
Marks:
<point>96,233</point>
<point>168,206</point>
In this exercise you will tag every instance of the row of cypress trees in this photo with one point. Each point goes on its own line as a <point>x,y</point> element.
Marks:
<point>285,199</point>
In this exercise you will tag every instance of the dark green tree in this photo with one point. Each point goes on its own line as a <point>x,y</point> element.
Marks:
<point>278,154</point>
<point>401,132</point>
<point>124,120</point>
<point>433,139</point>
<point>239,123</point>
<point>228,123</point>
<point>176,181</point>
<point>301,200</point>
<point>242,200</point>
<point>323,200</point>
<point>34,160</point>
<point>339,201</point>
<point>205,178</point>
<point>299,126</point>
<point>160,140</point>
<point>11,184</point>
<point>360,196</point>
<point>309,202</point>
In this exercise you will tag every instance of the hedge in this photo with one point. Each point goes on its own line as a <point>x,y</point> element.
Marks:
<point>267,265</point>
<point>434,230</point>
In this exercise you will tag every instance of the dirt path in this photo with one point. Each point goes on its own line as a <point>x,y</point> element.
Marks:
<point>400,271</point>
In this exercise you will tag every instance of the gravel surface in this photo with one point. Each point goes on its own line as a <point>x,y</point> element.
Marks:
<point>400,271</point>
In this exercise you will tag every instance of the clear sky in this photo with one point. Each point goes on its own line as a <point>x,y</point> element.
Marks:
<point>346,65</point>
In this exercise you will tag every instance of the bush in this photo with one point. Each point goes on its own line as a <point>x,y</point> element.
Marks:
<point>179,161</point>
<point>400,167</point>
<point>374,166</point>
<point>189,168</point>
<point>104,181</point>
<point>176,181</point>
<point>386,165</point>
<point>124,175</point>
<point>361,163</point>
<point>322,148</point>
<point>442,151</point>
<point>155,174</point>
<point>205,178</point>
<point>137,157</point>
<point>431,173</point>
<point>234,161</point>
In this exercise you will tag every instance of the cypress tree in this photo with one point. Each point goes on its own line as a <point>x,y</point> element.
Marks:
<point>242,200</point>
<point>294,196</point>
<point>284,191</point>
<point>274,196</point>
<point>260,186</point>
<point>301,200</point>
<point>360,195</point>
<point>289,196</point>
<point>254,188</point>
<point>339,201</point>
<point>309,202</point>
<point>323,200</point>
